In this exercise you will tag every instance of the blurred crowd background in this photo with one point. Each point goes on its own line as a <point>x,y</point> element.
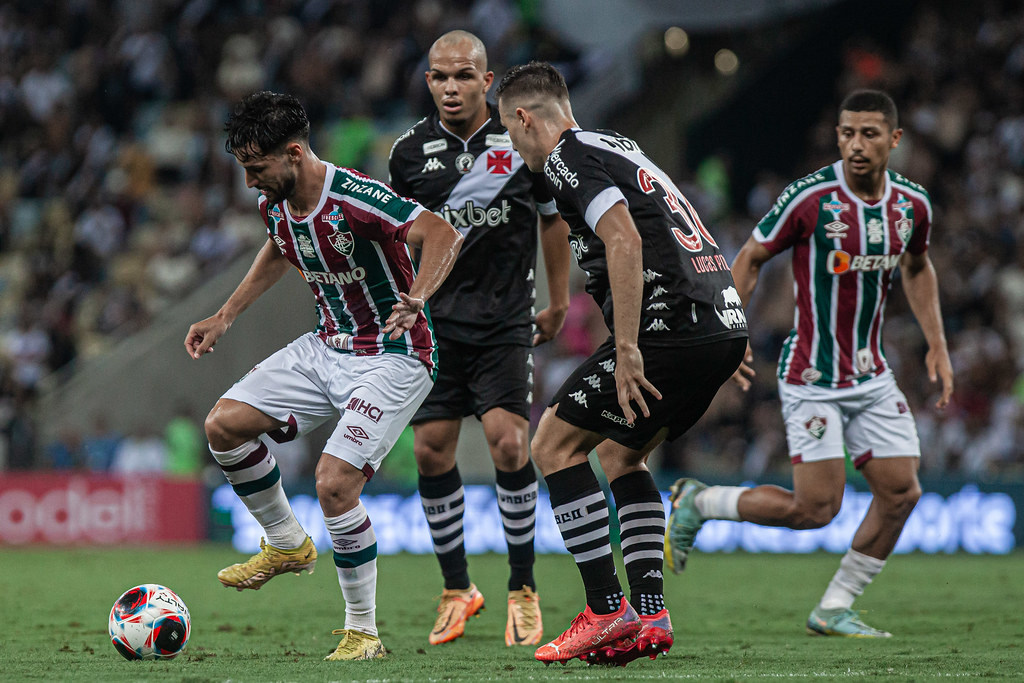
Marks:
<point>117,198</point>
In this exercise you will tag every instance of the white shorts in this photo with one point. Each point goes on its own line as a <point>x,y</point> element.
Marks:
<point>306,383</point>
<point>873,419</point>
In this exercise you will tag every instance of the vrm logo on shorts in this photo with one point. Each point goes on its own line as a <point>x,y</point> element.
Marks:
<point>356,434</point>
<point>816,426</point>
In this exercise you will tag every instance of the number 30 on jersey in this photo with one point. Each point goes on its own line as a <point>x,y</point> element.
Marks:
<point>677,204</point>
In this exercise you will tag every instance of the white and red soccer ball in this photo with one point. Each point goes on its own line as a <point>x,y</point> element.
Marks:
<point>149,622</point>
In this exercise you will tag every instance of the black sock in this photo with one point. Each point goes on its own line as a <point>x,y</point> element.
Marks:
<point>517,503</point>
<point>642,533</point>
<point>444,501</point>
<point>581,513</point>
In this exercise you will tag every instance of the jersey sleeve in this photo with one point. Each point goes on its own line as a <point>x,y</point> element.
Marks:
<point>579,178</point>
<point>542,196</point>
<point>790,220</point>
<point>379,212</point>
<point>921,235</point>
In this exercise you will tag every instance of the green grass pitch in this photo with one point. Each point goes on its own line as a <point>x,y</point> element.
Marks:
<point>737,618</point>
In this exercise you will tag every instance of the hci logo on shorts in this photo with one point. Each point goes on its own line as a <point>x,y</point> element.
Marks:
<point>365,408</point>
<point>816,426</point>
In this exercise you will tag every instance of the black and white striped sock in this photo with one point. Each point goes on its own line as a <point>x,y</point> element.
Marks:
<point>443,501</point>
<point>517,503</point>
<point>581,513</point>
<point>642,533</point>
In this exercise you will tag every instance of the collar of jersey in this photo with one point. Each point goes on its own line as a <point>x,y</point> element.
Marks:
<point>328,180</point>
<point>465,143</point>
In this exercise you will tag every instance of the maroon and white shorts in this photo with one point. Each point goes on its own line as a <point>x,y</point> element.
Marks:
<point>872,419</point>
<point>307,382</point>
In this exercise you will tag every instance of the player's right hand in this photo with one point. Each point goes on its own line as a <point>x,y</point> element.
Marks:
<point>203,335</point>
<point>745,372</point>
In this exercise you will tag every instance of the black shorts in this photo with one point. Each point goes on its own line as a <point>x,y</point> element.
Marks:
<point>472,379</point>
<point>688,377</point>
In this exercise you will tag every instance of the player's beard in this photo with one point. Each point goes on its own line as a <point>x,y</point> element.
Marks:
<point>285,191</point>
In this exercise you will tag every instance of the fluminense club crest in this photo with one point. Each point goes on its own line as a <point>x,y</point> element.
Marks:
<point>341,239</point>
<point>816,426</point>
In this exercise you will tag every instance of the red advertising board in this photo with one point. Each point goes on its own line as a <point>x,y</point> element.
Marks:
<point>45,507</point>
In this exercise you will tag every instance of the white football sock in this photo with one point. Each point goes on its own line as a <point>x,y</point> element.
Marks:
<point>720,502</point>
<point>355,556</point>
<point>252,471</point>
<point>856,570</point>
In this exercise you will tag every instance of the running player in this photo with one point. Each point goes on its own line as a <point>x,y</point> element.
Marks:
<point>372,357</point>
<point>459,162</point>
<point>849,225</point>
<point>678,333</point>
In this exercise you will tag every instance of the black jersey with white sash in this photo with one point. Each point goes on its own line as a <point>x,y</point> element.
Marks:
<point>689,295</point>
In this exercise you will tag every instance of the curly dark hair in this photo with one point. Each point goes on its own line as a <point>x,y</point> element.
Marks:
<point>263,122</point>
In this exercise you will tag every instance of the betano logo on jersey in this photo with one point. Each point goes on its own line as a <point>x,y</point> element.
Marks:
<point>355,275</point>
<point>838,262</point>
<point>472,216</point>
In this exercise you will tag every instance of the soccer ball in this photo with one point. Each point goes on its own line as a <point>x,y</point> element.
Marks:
<point>149,622</point>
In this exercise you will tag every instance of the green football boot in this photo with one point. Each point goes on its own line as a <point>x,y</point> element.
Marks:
<point>841,622</point>
<point>683,523</point>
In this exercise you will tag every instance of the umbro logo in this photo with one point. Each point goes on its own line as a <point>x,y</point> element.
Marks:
<point>836,230</point>
<point>433,164</point>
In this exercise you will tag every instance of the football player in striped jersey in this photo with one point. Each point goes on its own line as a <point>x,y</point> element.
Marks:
<point>849,225</point>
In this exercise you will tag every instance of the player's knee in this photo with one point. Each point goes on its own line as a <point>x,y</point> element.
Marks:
<point>813,515</point>
<point>432,459</point>
<point>900,502</point>
<point>509,451</point>
<point>333,493</point>
<point>219,431</point>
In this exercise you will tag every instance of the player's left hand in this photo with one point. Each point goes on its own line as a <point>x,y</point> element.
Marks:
<point>549,323</point>
<point>629,380</point>
<point>403,315</point>
<point>940,368</point>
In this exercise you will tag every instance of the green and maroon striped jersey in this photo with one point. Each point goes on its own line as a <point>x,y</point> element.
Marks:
<point>351,251</point>
<point>845,252</point>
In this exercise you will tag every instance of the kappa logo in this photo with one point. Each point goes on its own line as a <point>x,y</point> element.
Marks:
<point>836,230</point>
<point>608,365</point>
<point>617,419</point>
<point>653,574</point>
<point>580,398</point>
<point>875,235</point>
<point>650,275</point>
<point>658,325</point>
<point>593,380</point>
<point>816,426</point>
<point>659,306</point>
<point>499,161</point>
<point>433,164</point>
<point>658,291</point>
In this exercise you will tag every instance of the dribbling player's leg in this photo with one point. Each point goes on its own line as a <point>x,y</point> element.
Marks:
<point>232,429</point>
<point>338,485</point>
